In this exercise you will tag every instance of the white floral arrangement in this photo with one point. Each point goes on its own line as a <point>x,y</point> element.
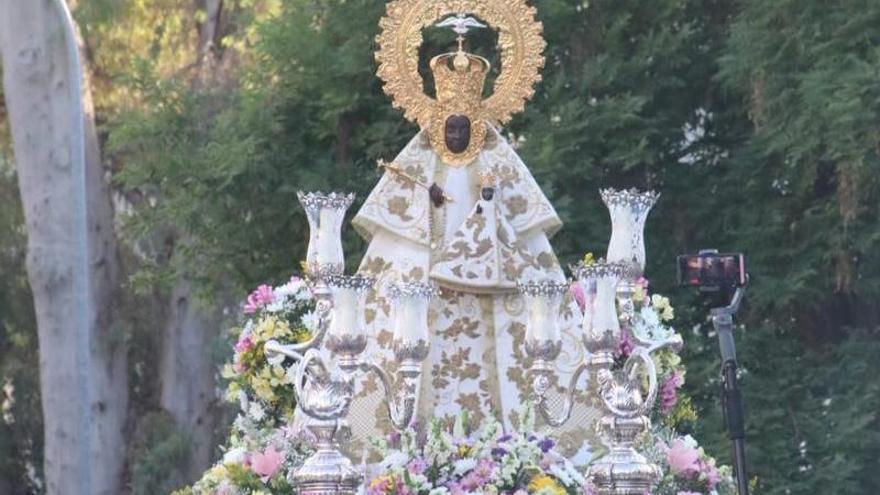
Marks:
<point>483,461</point>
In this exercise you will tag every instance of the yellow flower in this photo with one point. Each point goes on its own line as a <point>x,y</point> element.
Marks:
<point>545,485</point>
<point>263,388</point>
<point>639,294</point>
<point>232,392</point>
<point>277,376</point>
<point>589,259</point>
<point>270,327</point>
<point>667,314</point>
<point>382,484</point>
<point>682,412</point>
<point>228,371</point>
<point>219,472</point>
<point>659,302</point>
<point>463,451</point>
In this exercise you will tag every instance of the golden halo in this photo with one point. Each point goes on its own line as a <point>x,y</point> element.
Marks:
<point>519,37</point>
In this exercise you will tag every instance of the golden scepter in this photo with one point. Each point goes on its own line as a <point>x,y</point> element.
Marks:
<point>392,167</point>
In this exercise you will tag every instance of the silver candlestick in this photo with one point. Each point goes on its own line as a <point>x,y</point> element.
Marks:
<point>324,391</point>
<point>410,343</point>
<point>624,471</point>
<point>543,345</point>
<point>629,211</point>
<point>601,325</point>
<point>325,213</point>
<point>325,386</point>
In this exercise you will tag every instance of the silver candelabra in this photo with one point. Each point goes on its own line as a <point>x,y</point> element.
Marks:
<point>608,285</point>
<point>328,365</point>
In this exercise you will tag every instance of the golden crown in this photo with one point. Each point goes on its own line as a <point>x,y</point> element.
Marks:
<point>459,78</point>
<point>487,178</point>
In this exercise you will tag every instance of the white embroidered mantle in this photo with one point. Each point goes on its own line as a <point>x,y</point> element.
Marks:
<point>476,250</point>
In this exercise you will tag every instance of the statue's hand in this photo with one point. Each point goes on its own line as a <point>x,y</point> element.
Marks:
<point>437,196</point>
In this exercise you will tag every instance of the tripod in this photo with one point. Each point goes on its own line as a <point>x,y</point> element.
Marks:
<point>722,319</point>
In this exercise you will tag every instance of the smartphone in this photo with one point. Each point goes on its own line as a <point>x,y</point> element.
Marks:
<point>711,270</point>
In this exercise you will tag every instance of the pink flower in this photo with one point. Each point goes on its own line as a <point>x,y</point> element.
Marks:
<point>578,293</point>
<point>682,458</point>
<point>417,466</point>
<point>266,464</point>
<point>626,345</point>
<point>480,475</point>
<point>643,283</point>
<point>668,392</point>
<point>260,297</point>
<point>239,367</point>
<point>712,475</point>
<point>243,345</point>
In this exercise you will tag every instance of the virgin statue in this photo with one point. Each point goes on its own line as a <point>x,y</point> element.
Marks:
<point>457,207</point>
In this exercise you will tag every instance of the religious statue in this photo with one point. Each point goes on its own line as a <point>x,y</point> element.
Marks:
<point>457,207</point>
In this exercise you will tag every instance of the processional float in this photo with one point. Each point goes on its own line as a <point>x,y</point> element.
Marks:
<point>330,365</point>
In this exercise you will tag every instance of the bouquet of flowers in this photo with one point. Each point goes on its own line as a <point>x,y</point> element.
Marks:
<point>483,461</point>
<point>286,314</point>
<point>687,468</point>
<point>263,446</point>
<point>256,461</point>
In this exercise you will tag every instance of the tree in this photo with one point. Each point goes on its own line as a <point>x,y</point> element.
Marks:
<point>71,258</point>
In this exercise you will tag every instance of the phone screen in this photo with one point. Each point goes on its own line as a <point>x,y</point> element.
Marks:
<point>712,270</point>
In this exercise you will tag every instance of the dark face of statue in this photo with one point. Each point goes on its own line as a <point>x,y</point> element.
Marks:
<point>458,133</point>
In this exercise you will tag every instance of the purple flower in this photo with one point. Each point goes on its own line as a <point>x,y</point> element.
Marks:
<point>626,345</point>
<point>668,392</point>
<point>499,452</point>
<point>393,439</point>
<point>417,466</point>
<point>546,444</point>
<point>505,438</point>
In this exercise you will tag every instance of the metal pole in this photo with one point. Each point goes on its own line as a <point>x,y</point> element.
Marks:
<point>722,319</point>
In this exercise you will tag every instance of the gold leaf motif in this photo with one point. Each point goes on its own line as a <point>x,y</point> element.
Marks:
<point>547,260</point>
<point>399,206</point>
<point>517,205</point>
<point>461,326</point>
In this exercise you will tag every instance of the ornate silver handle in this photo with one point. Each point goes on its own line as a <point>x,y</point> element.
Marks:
<point>401,417</point>
<point>332,391</point>
<point>540,386</point>
<point>608,385</point>
<point>273,348</point>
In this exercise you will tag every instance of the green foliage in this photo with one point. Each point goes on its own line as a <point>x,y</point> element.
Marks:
<point>159,449</point>
<point>21,435</point>
<point>309,115</point>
